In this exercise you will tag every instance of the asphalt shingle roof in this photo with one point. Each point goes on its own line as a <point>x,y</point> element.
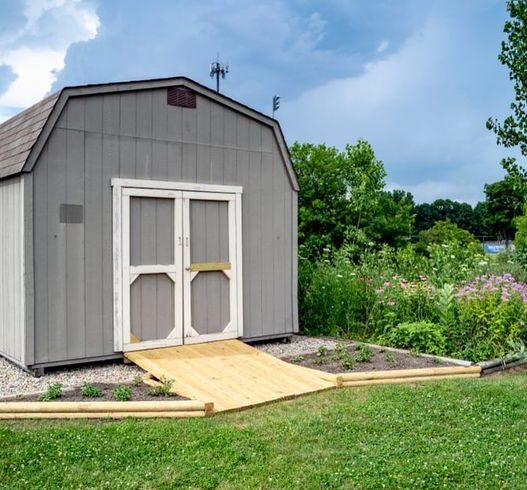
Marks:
<point>19,134</point>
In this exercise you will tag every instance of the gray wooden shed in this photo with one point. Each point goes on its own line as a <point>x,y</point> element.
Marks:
<point>143,214</point>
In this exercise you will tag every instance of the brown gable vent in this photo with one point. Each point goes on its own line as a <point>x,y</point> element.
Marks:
<point>181,97</point>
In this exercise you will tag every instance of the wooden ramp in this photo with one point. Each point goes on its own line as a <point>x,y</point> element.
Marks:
<point>229,373</point>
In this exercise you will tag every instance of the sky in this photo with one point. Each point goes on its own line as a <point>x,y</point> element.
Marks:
<point>417,79</point>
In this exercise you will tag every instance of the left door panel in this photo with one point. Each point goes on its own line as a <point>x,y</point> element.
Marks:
<point>152,268</point>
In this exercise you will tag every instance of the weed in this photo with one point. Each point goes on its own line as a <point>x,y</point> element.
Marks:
<point>163,389</point>
<point>297,358</point>
<point>390,358</point>
<point>90,391</point>
<point>138,379</point>
<point>53,392</point>
<point>122,393</point>
<point>322,351</point>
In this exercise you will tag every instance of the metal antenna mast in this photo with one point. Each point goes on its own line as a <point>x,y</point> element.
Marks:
<point>218,69</point>
<point>276,104</point>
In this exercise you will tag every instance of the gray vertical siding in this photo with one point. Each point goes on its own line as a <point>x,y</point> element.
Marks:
<point>137,135</point>
<point>12,293</point>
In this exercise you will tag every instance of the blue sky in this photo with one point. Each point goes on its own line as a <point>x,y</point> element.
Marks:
<point>417,79</point>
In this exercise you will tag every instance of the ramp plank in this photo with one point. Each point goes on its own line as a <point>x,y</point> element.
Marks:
<point>229,373</point>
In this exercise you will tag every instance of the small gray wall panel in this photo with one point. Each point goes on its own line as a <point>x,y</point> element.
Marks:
<point>151,231</point>
<point>12,304</point>
<point>152,306</point>
<point>210,302</point>
<point>209,227</point>
<point>137,135</point>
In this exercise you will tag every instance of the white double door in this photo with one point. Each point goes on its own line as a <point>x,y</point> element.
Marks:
<point>181,266</point>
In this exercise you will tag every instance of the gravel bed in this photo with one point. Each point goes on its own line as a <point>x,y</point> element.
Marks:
<point>298,345</point>
<point>15,381</point>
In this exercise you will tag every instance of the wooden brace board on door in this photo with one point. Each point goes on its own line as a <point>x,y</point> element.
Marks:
<point>181,269</point>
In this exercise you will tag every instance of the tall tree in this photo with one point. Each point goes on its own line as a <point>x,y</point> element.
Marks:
<point>392,220</point>
<point>459,213</point>
<point>504,203</point>
<point>336,189</point>
<point>512,131</point>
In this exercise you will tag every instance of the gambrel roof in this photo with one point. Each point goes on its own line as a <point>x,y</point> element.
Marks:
<point>23,136</point>
<point>19,134</point>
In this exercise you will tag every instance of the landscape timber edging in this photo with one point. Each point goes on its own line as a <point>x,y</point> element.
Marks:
<point>105,409</point>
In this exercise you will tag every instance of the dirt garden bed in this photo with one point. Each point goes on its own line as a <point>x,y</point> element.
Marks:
<point>138,392</point>
<point>355,357</point>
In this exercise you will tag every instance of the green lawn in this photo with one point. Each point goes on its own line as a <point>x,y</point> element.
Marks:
<point>466,433</point>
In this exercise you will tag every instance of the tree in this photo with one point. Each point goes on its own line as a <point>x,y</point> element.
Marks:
<point>460,213</point>
<point>520,239</point>
<point>504,203</point>
<point>512,132</point>
<point>336,189</point>
<point>392,220</point>
<point>481,220</point>
<point>447,232</point>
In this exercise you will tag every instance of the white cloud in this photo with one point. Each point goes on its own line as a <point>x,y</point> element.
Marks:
<point>39,49</point>
<point>409,107</point>
<point>383,46</point>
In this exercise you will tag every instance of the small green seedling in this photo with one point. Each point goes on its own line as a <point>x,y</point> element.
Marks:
<point>348,363</point>
<point>163,389</point>
<point>363,353</point>
<point>297,358</point>
<point>390,358</point>
<point>53,392</point>
<point>138,379</point>
<point>90,391</point>
<point>322,351</point>
<point>122,393</point>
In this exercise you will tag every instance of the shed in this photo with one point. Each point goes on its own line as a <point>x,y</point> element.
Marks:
<point>143,214</point>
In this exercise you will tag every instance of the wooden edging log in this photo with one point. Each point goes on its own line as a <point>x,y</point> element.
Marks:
<point>410,373</point>
<point>102,415</point>
<point>414,379</point>
<point>490,367</point>
<point>82,408</point>
<point>449,360</point>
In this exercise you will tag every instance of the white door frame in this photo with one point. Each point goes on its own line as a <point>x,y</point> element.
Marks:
<point>124,274</point>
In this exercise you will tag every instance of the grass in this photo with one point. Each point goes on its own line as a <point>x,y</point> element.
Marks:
<point>449,434</point>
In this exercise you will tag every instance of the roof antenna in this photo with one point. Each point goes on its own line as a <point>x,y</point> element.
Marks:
<point>276,104</point>
<point>218,69</point>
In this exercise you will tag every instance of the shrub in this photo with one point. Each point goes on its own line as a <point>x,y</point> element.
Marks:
<point>122,393</point>
<point>388,287</point>
<point>418,336</point>
<point>447,232</point>
<point>492,313</point>
<point>520,239</point>
<point>89,391</point>
<point>53,392</point>
<point>336,301</point>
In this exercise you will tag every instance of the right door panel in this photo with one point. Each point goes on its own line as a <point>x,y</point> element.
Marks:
<point>210,262</point>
